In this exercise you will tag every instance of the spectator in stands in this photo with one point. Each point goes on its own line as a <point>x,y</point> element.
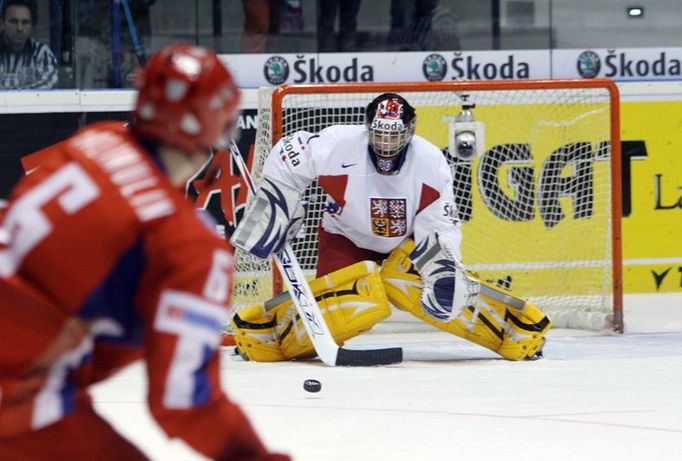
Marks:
<point>262,19</point>
<point>411,24</point>
<point>348,24</point>
<point>94,41</point>
<point>25,63</point>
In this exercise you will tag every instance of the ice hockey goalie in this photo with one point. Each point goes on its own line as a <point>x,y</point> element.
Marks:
<point>389,201</point>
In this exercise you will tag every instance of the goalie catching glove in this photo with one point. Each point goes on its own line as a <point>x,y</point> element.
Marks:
<point>271,218</point>
<point>446,287</point>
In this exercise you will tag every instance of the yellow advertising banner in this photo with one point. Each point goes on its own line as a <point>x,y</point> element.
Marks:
<point>651,133</point>
<point>537,205</point>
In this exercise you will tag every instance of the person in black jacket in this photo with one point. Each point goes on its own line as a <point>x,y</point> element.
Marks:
<point>25,63</point>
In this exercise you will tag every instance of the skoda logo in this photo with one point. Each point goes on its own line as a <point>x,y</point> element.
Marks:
<point>276,70</point>
<point>589,64</point>
<point>434,67</point>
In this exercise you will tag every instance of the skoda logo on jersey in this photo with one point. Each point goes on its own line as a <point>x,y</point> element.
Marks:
<point>589,64</point>
<point>276,70</point>
<point>434,67</point>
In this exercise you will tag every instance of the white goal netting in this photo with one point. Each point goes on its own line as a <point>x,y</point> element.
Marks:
<point>537,208</point>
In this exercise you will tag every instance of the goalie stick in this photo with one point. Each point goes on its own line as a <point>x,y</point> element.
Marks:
<point>329,352</point>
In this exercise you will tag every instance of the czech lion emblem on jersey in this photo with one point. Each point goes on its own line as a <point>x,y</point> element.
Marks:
<point>388,216</point>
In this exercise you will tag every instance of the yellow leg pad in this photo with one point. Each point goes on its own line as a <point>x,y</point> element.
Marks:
<point>403,287</point>
<point>524,325</point>
<point>485,332</point>
<point>402,282</point>
<point>255,335</point>
<point>352,301</point>
<point>498,320</point>
<point>525,336</point>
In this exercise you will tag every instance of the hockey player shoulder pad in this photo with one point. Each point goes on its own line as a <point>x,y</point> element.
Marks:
<point>272,216</point>
<point>352,301</point>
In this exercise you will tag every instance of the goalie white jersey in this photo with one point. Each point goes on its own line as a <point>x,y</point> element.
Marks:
<point>376,212</point>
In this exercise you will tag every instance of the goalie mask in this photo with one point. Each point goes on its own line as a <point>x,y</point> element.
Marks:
<point>390,125</point>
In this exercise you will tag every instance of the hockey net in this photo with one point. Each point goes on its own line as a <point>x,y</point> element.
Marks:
<point>541,206</point>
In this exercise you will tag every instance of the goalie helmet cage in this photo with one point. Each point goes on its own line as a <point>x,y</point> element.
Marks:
<point>541,207</point>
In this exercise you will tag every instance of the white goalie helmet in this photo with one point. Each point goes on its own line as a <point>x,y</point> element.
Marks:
<point>391,122</point>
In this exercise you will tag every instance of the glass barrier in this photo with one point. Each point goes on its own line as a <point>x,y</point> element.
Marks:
<point>101,43</point>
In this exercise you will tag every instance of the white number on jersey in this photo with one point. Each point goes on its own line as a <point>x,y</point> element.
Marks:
<point>26,225</point>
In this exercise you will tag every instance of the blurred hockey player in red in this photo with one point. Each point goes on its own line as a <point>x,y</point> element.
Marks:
<point>389,201</point>
<point>103,262</point>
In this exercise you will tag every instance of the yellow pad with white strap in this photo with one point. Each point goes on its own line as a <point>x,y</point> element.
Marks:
<point>497,320</point>
<point>352,301</point>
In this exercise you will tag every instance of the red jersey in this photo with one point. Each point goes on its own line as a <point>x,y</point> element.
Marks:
<point>103,262</point>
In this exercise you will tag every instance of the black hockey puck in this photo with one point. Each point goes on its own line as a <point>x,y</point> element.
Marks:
<point>312,385</point>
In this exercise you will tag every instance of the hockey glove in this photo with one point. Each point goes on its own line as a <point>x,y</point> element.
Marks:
<point>272,217</point>
<point>446,287</point>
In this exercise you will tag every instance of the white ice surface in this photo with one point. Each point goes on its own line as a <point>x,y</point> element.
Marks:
<point>595,396</point>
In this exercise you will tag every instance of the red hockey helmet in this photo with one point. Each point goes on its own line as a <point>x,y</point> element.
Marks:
<point>187,99</point>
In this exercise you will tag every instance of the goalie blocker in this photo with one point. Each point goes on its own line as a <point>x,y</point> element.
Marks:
<point>271,219</point>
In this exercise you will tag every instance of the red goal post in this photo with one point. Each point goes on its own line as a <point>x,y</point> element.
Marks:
<point>541,205</point>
